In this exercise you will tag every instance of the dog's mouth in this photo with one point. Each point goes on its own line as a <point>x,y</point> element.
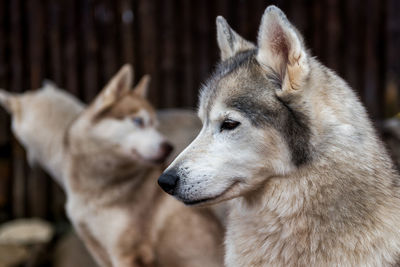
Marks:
<point>214,199</point>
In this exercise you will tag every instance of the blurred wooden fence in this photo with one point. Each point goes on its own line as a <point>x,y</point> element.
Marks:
<point>80,44</point>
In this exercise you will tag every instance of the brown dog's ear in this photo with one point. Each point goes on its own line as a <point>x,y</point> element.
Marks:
<point>281,49</point>
<point>143,86</point>
<point>116,87</point>
<point>229,42</point>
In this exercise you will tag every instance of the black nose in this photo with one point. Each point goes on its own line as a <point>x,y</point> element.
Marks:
<point>168,182</point>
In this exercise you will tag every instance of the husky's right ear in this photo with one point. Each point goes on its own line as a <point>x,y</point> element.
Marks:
<point>8,101</point>
<point>229,42</point>
<point>281,49</point>
<point>116,87</point>
<point>143,86</point>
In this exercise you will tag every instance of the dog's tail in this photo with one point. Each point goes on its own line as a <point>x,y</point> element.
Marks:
<point>8,101</point>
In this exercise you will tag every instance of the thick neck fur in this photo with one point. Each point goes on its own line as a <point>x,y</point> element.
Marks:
<point>106,180</point>
<point>318,216</point>
<point>342,208</point>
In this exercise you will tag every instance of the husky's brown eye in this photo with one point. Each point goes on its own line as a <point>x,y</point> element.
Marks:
<point>229,125</point>
<point>138,121</point>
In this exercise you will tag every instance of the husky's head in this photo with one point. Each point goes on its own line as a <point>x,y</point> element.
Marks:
<point>120,125</point>
<point>252,130</point>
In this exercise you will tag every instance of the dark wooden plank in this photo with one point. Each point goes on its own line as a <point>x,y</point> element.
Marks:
<point>5,153</point>
<point>37,191</point>
<point>353,50</point>
<point>168,52</point>
<point>126,19</point>
<point>70,51</point>
<point>4,60</point>
<point>5,182</point>
<point>299,14</point>
<point>242,15</point>
<point>106,39</point>
<point>202,36</point>
<point>16,47</point>
<point>148,59</point>
<point>56,66</point>
<point>182,60</point>
<point>222,8</point>
<point>333,34</point>
<point>89,52</point>
<point>318,29</point>
<point>372,75</point>
<point>56,200</point>
<point>19,187</point>
<point>36,35</point>
<point>392,90</point>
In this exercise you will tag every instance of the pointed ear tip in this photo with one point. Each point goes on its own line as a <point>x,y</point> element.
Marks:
<point>47,83</point>
<point>272,9</point>
<point>145,79</point>
<point>127,68</point>
<point>127,65</point>
<point>221,21</point>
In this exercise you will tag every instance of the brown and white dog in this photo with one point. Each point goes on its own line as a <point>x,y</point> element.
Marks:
<point>107,158</point>
<point>290,143</point>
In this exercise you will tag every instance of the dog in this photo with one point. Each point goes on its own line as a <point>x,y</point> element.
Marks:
<point>107,157</point>
<point>291,145</point>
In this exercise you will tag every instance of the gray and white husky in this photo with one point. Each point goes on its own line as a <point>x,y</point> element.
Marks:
<point>290,143</point>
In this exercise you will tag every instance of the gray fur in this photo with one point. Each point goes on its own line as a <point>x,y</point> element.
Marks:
<point>271,111</point>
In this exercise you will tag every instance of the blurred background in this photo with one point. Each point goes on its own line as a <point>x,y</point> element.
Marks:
<point>80,44</point>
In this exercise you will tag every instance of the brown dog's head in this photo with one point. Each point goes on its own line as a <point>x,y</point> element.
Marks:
<point>120,124</point>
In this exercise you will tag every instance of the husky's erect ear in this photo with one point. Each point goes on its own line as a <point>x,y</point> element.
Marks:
<point>116,87</point>
<point>229,41</point>
<point>47,83</point>
<point>281,48</point>
<point>8,101</point>
<point>143,86</point>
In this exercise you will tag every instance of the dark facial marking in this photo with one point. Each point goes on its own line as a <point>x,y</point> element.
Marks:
<point>274,112</point>
<point>297,133</point>
<point>293,125</point>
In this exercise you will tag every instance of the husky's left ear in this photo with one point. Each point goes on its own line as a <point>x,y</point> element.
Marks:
<point>229,42</point>
<point>142,87</point>
<point>116,87</point>
<point>281,48</point>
